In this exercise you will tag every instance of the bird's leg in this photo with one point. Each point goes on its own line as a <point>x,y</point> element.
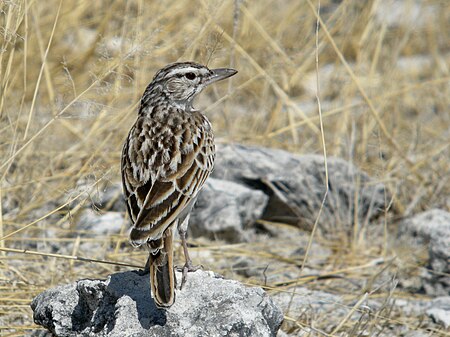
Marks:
<point>188,266</point>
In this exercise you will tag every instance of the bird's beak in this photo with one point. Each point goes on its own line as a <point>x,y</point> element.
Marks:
<point>220,74</point>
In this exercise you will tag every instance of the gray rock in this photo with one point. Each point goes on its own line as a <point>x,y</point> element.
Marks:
<point>296,185</point>
<point>122,306</point>
<point>432,230</point>
<point>307,304</point>
<point>308,301</point>
<point>439,311</point>
<point>416,334</point>
<point>410,14</point>
<point>224,209</point>
<point>99,223</point>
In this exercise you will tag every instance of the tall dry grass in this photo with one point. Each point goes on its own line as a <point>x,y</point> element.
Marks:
<point>72,72</point>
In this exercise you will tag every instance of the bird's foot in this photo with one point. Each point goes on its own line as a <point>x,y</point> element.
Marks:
<point>188,267</point>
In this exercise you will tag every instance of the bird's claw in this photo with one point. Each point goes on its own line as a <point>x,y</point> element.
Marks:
<point>187,268</point>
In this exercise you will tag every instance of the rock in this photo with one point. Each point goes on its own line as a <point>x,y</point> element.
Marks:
<point>432,230</point>
<point>296,185</point>
<point>416,334</point>
<point>409,14</point>
<point>314,304</point>
<point>313,301</point>
<point>224,209</point>
<point>439,311</point>
<point>41,333</point>
<point>122,306</point>
<point>99,223</point>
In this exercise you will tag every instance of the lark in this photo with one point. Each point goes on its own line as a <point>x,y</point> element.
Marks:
<point>166,158</point>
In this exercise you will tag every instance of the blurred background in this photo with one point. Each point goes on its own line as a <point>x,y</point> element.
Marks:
<point>72,73</point>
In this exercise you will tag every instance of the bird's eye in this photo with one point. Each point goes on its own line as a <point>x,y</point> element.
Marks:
<point>190,76</point>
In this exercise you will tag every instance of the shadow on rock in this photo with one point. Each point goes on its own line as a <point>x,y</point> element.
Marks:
<point>98,302</point>
<point>148,313</point>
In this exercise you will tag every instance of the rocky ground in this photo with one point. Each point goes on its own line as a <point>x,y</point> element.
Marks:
<point>263,203</point>
<point>373,261</point>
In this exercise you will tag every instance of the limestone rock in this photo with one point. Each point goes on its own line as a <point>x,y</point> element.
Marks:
<point>224,209</point>
<point>431,229</point>
<point>122,306</point>
<point>296,185</point>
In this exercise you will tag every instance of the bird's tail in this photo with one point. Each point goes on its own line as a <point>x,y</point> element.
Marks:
<point>162,278</point>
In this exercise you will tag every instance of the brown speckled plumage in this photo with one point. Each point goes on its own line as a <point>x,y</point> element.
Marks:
<point>168,154</point>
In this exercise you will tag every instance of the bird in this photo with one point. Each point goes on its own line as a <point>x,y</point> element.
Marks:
<point>167,156</point>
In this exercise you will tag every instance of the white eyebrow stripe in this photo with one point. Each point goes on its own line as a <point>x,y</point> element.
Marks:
<point>185,70</point>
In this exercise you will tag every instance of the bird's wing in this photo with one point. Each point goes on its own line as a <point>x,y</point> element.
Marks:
<point>158,191</point>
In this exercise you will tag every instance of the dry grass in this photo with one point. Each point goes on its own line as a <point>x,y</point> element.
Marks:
<point>71,77</point>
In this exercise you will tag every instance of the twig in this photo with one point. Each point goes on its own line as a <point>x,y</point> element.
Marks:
<point>69,257</point>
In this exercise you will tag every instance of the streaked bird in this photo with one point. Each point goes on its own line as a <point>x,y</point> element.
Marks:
<point>166,158</point>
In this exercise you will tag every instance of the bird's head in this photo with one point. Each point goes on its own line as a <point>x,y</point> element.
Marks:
<point>181,82</point>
